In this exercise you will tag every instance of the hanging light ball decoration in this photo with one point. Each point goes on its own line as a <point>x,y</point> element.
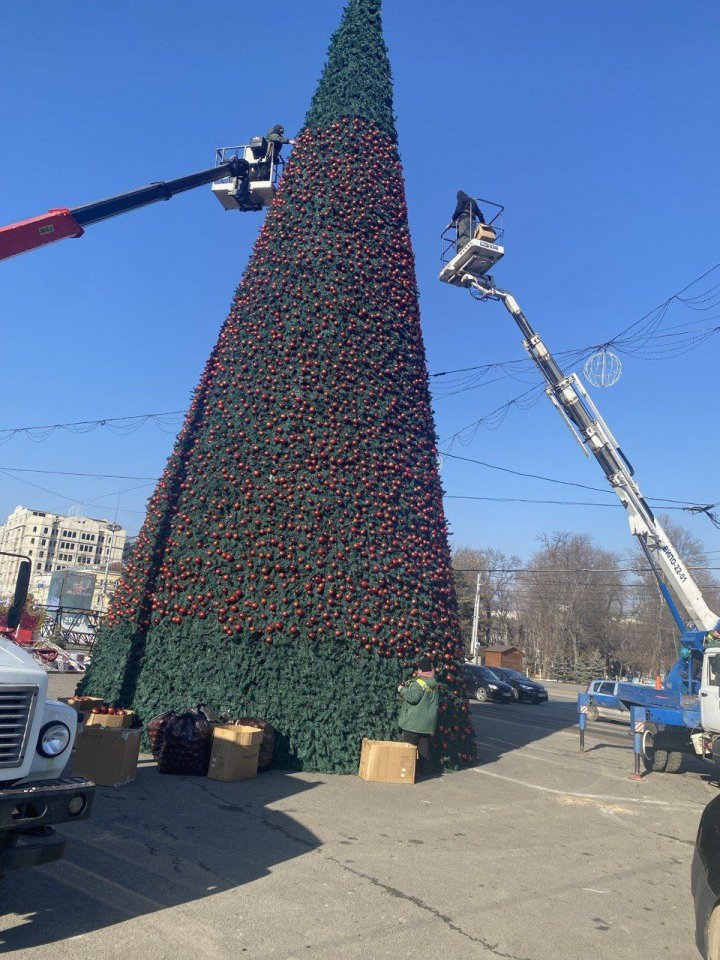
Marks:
<point>603,368</point>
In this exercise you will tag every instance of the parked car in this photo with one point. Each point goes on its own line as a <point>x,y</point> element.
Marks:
<point>705,878</point>
<point>604,701</point>
<point>523,687</point>
<point>484,684</point>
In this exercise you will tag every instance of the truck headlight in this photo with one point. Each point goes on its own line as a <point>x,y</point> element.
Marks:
<point>54,738</point>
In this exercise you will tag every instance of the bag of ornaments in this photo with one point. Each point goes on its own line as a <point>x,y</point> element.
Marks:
<point>182,742</point>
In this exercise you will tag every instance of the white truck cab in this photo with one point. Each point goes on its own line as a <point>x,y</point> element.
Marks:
<point>710,690</point>
<point>36,738</point>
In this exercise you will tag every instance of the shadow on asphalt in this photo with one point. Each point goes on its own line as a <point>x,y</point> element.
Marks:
<point>504,727</point>
<point>609,746</point>
<point>156,843</point>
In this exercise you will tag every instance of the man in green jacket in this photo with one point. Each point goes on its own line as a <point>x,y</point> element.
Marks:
<point>276,138</point>
<point>418,713</point>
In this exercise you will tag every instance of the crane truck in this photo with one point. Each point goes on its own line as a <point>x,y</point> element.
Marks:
<point>684,715</point>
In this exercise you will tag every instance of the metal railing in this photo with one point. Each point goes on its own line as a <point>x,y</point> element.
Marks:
<point>223,154</point>
<point>452,233</point>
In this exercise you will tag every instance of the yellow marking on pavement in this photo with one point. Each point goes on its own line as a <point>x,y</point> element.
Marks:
<point>572,801</point>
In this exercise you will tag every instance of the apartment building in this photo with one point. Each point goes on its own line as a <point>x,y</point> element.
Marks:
<point>56,542</point>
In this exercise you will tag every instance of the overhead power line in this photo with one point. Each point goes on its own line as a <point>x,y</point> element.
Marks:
<point>73,473</point>
<point>634,340</point>
<point>559,503</point>
<point>565,483</point>
<point>641,330</point>
<point>639,339</point>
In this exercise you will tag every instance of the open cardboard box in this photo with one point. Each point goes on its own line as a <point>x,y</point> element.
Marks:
<point>110,719</point>
<point>235,752</point>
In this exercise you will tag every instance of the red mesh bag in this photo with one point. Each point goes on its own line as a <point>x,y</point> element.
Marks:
<point>182,742</point>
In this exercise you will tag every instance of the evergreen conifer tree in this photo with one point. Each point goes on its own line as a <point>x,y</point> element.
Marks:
<point>596,665</point>
<point>294,559</point>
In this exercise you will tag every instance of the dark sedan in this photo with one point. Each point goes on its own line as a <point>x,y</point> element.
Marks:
<point>483,684</point>
<point>706,882</point>
<point>523,687</point>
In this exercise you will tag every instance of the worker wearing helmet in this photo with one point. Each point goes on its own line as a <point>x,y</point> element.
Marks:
<point>466,217</point>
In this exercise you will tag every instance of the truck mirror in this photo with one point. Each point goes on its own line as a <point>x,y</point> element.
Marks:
<point>22,585</point>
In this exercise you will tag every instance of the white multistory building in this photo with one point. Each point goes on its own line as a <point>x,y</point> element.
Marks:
<point>54,542</point>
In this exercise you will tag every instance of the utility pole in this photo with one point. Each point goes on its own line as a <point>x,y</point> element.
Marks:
<point>476,623</point>
<point>110,548</point>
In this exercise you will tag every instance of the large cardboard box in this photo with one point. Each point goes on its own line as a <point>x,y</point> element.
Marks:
<point>235,752</point>
<point>385,761</point>
<point>107,755</point>
<point>110,719</point>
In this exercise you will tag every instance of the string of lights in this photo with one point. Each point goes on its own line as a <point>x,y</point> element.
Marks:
<point>122,426</point>
<point>640,339</point>
<point>633,338</point>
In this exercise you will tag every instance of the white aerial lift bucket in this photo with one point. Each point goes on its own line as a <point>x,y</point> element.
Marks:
<point>264,176</point>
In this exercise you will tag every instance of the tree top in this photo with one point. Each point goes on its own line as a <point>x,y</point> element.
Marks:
<point>356,80</point>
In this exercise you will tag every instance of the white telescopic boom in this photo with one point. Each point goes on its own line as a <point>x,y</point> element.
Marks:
<point>592,433</point>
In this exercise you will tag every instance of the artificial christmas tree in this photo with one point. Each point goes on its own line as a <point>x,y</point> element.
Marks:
<point>294,559</point>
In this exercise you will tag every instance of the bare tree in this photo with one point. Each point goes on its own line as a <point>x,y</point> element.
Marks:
<point>574,606</point>
<point>571,601</point>
<point>497,581</point>
<point>650,641</point>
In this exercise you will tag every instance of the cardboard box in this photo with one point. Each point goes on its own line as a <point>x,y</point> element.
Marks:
<point>484,232</point>
<point>107,755</point>
<point>385,761</point>
<point>235,752</point>
<point>85,706</point>
<point>110,719</point>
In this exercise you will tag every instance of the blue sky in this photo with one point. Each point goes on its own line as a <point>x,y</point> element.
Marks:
<point>593,124</point>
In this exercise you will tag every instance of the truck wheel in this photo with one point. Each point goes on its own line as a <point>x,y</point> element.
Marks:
<point>655,759</point>
<point>592,712</point>
<point>481,694</point>
<point>674,762</point>
<point>7,842</point>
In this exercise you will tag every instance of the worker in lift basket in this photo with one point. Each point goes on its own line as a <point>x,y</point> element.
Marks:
<point>466,217</point>
<point>419,710</point>
<point>276,138</point>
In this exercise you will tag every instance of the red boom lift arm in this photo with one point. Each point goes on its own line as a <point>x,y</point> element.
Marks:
<point>58,224</point>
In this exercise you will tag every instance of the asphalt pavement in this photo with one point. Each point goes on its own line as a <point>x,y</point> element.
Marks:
<point>537,853</point>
